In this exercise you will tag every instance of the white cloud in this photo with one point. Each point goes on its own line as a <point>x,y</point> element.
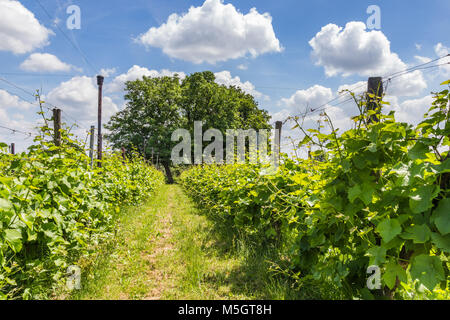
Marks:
<point>242,67</point>
<point>20,31</point>
<point>410,111</point>
<point>44,62</point>
<point>354,50</point>
<point>304,100</point>
<point>225,78</point>
<point>137,72</point>
<point>10,101</point>
<point>12,115</point>
<point>78,99</point>
<point>108,72</point>
<point>422,59</point>
<point>441,51</point>
<point>214,32</point>
<point>357,88</point>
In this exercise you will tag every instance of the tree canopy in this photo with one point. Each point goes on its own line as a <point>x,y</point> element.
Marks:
<point>156,107</point>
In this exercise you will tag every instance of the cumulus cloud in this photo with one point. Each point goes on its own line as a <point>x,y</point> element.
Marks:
<point>137,72</point>
<point>12,115</point>
<point>77,98</point>
<point>411,110</point>
<point>108,72</point>
<point>20,31</point>
<point>441,51</point>
<point>214,32</point>
<point>44,62</point>
<point>354,50</point>
<point>225,78</point>
<point>312,97</point>
<point>13,102</point>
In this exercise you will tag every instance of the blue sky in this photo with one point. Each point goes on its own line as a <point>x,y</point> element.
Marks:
<point>275,60</point>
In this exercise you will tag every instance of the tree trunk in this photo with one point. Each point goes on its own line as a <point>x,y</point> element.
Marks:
<point>168,172</point>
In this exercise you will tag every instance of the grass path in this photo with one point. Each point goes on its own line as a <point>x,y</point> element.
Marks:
<point>167,250</point>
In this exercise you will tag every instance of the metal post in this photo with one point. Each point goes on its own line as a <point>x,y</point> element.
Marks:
<point>13,148</point>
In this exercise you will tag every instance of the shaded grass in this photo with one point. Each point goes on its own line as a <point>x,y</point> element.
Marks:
<point>117,273</point>
<point>214,263</point>
<point>169,249</point>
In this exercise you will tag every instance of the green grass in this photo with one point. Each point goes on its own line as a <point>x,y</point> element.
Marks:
<point>167,249</point>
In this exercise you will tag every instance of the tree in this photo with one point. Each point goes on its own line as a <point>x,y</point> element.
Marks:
<point>155,107</point>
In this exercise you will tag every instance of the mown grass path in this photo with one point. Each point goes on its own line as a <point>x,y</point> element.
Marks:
<point>167,250</point>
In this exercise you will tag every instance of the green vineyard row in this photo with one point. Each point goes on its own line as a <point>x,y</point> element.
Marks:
<point>55,209</point>
<point>375,195</point>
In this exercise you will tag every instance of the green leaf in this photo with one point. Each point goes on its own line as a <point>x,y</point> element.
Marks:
<point>441,216</point>
<point>14,239</point>
<point>421,199</point>
<point>377,255</point>
<point>354,193</point>
<point>5,205</point>
<point>253,193</point>
<point>418,151</point>
<point>367,193</point>
<point>417,233</point>
<point>428,270</point>
<point>394,270</point>
<point>445,82</point>
<point>443,167</point>
<point>364,192</point>
<point>389,229</point>
<point>372,147</point>
<point>442,242</point>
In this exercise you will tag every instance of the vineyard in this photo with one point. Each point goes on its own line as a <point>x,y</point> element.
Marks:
<point>376,195</point>
<point>55,210</point>
<point>379,198</point>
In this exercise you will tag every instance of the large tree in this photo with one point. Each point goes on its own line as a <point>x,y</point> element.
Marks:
<point>155,107</point>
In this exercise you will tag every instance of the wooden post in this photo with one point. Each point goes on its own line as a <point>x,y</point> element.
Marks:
<point>13,148</point>
<point>157,160</point>
<point>278,126</point>
<point>57,126</point>
<point>99,142</point>
<point>91,145</point>
<point>152,156</point>
<point>375,87</point>
<point>123,154</point>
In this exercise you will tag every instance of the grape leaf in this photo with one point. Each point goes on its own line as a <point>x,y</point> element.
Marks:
<point>394,270</point>
<point>428,270</point>
<point>389,229</point>
<point>14,239</point>
<point>441,216</point>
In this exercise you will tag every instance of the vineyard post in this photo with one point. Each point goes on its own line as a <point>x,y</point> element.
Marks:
<point>278,126</point>
<point>91,145</point>
<point>375,87</point>
<point>99,142</point>
<point>57,126</point>
<point>13,148</point>
<point>152,155</point>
